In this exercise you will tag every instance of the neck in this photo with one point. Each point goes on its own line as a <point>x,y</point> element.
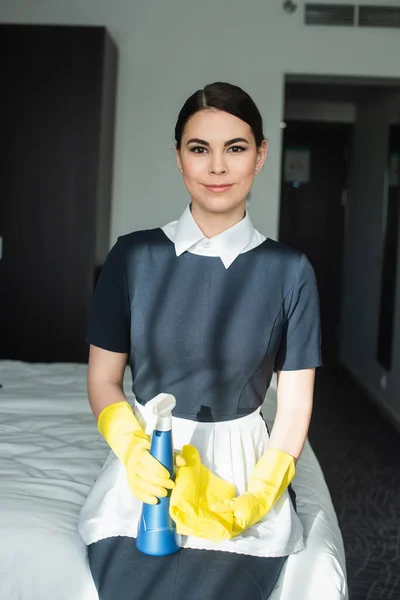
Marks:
<point>211,224</point>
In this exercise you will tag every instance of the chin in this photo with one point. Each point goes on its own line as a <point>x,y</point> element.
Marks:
<point>221,204</point>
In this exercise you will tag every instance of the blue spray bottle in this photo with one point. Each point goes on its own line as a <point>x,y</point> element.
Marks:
<point>156,534</point>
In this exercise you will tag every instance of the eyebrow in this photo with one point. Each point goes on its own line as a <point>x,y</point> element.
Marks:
<point>228,143</point>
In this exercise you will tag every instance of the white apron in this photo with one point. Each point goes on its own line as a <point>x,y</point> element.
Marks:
<point>230,449</point>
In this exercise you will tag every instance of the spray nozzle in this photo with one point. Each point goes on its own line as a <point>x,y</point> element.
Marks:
<point>158,412</point>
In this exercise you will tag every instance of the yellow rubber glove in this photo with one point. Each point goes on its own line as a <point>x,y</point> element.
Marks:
<point>270,478</point>
<point>147,478</point>
<point>196,487</point>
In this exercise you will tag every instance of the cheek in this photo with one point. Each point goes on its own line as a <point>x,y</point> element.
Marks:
<point>193,169</point>
<point>246,169</point>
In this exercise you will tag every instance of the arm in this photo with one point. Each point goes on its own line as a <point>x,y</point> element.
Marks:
<point>276,468</point>
<point>294,408</point>
<point>298,356</point>
<point>109,338</point>
<point>147,478</point>
<point>105,378</point>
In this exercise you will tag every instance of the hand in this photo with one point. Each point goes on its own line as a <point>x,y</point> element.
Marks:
<point>147,478</point>
<point>247,510</point>
<point>196,487</point>
<point>179,460</point>
<point>269,479</point>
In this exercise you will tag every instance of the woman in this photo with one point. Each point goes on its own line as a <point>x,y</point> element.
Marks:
<point>204,308</point>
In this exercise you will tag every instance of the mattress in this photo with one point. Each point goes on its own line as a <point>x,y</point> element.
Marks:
<point>50,455</point>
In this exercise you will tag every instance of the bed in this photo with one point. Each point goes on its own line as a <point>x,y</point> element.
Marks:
<point>51,453</point>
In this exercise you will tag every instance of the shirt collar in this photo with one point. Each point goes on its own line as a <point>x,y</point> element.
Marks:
<point>227,245</point>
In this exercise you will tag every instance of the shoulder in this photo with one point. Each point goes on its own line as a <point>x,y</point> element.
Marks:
<point>139,236</point>
<point>283,259</point>
<point>283,252</point>
<point>137,239</point>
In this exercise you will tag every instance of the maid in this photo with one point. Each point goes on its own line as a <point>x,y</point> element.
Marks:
<point>204,308</point>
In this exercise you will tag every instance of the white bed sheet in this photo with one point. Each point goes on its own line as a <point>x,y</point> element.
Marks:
<point>50,455</point>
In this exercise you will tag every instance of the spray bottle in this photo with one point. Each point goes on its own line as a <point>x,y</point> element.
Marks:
<point>156,534</point>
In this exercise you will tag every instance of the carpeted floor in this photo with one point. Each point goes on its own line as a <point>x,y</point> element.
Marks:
<point>359,451</point>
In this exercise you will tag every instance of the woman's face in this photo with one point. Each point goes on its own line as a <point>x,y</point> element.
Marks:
<point>218,158</point>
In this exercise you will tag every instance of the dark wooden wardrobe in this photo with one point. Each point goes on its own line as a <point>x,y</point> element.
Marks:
<point>57,104</point>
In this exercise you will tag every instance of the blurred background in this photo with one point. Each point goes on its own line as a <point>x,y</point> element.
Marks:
<point>90,95</point>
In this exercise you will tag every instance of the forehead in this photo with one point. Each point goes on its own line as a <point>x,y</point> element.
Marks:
<point>216,125</point>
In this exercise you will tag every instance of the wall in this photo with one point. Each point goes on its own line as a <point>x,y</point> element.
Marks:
<point>169,49</point>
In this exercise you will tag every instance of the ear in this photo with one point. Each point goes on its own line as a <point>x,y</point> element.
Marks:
<point>262,152</point>
<point>178,159</point>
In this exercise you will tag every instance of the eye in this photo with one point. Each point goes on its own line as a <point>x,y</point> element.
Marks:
<point>198,149</point>
<point>236,149</point>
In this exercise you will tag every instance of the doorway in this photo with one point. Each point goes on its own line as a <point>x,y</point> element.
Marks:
<point>322,155</point>
<point>312,210</point>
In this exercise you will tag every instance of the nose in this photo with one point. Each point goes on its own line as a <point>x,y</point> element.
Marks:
<point>218,165</point>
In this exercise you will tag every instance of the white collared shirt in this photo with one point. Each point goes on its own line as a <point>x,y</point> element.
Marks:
<point>188,237</point>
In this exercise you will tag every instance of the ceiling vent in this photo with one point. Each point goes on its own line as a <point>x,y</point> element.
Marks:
<point>330,14</point>
<point>379,16</point>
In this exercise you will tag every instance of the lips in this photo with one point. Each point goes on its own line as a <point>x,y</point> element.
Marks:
<point>218,188</point>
